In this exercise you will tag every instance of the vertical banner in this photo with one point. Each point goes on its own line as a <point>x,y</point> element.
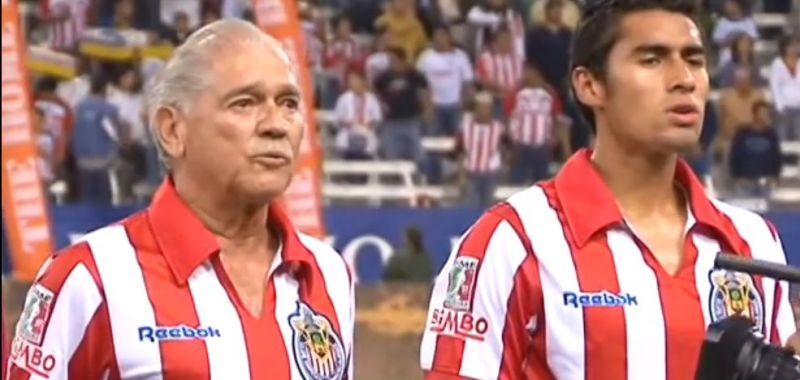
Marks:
<point>303,199</point>
<point>25,212</point>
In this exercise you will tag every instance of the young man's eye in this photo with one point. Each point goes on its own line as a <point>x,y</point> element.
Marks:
<point>650,61</point>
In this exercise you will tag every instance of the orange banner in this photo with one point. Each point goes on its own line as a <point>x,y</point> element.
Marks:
<point>26,217</point>
<point>303,199</point>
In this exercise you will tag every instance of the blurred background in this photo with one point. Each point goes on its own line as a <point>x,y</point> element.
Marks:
<point>397,86</point>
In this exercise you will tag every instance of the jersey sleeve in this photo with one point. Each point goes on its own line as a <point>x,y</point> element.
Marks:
<point>64,330</point>
<point>485,305</point>
<point>782,325</point>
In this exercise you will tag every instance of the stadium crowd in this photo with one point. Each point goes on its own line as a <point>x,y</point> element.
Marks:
<point>490,74</point>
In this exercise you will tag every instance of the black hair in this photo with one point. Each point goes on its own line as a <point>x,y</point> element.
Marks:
<point>735,54</point>
<point>46,84</point>
<point>599,31</point>
<point>784,42</point>
<point>97,84</point>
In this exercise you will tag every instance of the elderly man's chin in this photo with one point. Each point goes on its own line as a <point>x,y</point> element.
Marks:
<point>265,186</point>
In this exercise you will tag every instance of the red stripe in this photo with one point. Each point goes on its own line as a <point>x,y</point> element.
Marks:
<point>450,350</point>
<point>525,302</point>
<point>96,351</point>
<point>775,336</point>
<point>605,335</point>
<point>172,305</point>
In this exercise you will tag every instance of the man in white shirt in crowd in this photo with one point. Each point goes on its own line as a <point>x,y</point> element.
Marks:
<point>784,81</point>
<point>449,74</point>
<point>358,114</point>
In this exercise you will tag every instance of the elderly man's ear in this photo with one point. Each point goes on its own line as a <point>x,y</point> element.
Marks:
<point>171,131</point>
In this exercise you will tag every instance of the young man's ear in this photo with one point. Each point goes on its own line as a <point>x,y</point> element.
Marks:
<point>588,88</point>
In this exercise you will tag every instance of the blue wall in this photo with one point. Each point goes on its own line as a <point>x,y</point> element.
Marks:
<point>367,235</point>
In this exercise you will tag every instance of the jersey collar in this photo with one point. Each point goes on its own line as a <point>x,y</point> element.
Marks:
<point>590,207</point>
<point>186,242</point>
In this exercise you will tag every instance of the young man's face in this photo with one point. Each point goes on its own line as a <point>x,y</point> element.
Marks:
<point>656,82</point>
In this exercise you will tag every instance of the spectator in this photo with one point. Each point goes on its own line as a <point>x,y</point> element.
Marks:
<point>411,263</point>
<point>180,29</point>
<point>56,118</point>
<point>127,97</point>
<point>404,93</point>
<point>358,114</point>
<point>235,8</point>
<point>479,145</point>
<point>98,124</point>
<point>66,21</point>
<point>734,22</point>
<point>700,157</point>
<point>784,80</point>
<point>488,16</point>
<point>499,68</point>
<point>742,54</point>
<point>404,28</point>
<point>46,148</point>
<point>548,46</point>
<point>449,74</point>
<point>536,117</point>
<point>77,88</point>
<point>736,105</point>
<point>570,13</point>
<point>124,16</point>
<point>191,8</point>
<point>210,15</point>
<point>756,153</point>
<point>342,53</point>
<point>377,62</point>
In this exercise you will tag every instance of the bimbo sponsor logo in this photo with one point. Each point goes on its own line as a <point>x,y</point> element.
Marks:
<point>182,332</point>
<point>599,299</point>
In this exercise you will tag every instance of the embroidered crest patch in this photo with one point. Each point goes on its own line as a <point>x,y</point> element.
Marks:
<point>33,320</point>
<point>734,293</point>
<point>318,350</point>
<point>461,283</point>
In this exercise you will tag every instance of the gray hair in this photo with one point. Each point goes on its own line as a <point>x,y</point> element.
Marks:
<point>187,72</point>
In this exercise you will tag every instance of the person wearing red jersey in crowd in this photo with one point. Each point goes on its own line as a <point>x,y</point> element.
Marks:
<point>607,271</point>
<point>537,124</point>
<point>211,281</point>
<point>479,143</point>
<point>66,20</point>
<point>343,53</point>
<point>499,69</point>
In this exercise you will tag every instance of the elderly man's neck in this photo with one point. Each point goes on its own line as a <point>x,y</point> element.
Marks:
<point>230,219</point>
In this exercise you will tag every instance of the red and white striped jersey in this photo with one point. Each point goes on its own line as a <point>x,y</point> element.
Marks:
<point>65,35</point>
<point>148,298</point>
<point>533,111</point>
<point>357,109</point>
<point>487,21</point>
<point>501,69</point>
<point>553,284</point>
<point>481,142</point>
<point>342,55</point>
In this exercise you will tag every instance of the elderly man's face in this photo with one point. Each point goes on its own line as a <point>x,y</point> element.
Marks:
<point>245,130</point>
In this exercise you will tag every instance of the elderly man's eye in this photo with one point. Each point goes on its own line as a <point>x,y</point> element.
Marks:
<point>243,103</point>
<point>290,102</point>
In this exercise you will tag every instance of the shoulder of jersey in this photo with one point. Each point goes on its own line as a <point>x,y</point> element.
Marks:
<point>322,251</point>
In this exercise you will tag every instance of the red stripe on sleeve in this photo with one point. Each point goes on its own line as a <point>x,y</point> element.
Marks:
<point>95,354</point>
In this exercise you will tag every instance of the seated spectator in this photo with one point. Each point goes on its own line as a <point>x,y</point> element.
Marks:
<point>742,54</point>
<point>784,81</point>
<point>404,29</point>
<point>449,74</point>
<point>101,133</point>
<point>536,118</point>
<point>358,114</point>
<point>547,45</point>
<point>756,153</point>
<point>734,22</point>
<point>736,105</point>
<point>180,29</point>
<point>410,263</point>
<point>499,68</point>
<point>377,62</point>
<point>404,94</point>
<point>487,16</point>
<point>479,144</point>
<point>568,10</point>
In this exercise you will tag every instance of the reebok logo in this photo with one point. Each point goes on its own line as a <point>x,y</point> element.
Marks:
<point>182,332</point>
<point>599,299</point>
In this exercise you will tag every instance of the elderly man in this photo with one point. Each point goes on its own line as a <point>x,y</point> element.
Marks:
<point>211,281</point>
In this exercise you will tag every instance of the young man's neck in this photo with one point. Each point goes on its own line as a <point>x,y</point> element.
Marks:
<point>641,183</point>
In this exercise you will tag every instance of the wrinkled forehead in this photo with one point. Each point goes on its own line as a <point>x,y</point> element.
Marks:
<point>253,60</point>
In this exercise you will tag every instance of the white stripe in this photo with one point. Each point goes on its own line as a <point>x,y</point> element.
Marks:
<point>337,282</point>
<point>286,296</point>
<point>74,309</point>
<point>227,354</point>
<point>129,306</point>
<point>504,255</point>
<point>755,231</point>
<point>565,335</point>
<point>707,250</point>
<point>644,322</point>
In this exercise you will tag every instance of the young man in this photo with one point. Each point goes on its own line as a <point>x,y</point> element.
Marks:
<point>606,272</point>
<point>212,281</point>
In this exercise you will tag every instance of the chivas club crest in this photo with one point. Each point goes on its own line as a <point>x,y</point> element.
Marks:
<point>461,282</point>
<point>318,351</point>
<point>734,293</point>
